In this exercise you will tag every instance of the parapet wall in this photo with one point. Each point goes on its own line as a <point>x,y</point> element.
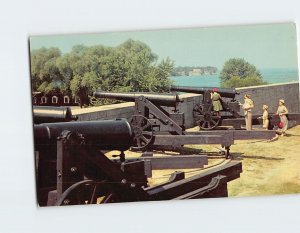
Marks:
<point>107,112</point>
<point>271,94</point>
<point>266,94</point>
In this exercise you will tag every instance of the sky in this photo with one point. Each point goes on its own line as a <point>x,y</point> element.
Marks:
<point>266,46</point>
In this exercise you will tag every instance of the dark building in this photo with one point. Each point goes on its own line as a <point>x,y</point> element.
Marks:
<point>54,99</point>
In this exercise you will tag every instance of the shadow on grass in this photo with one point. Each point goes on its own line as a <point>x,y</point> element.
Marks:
<point>189,151</point>
<point>237,156</point>
<point>180,150</point>
<point>241,156</point>
<point>291,135</point>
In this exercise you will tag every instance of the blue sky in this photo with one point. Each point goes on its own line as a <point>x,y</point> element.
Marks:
<point>265,46</point>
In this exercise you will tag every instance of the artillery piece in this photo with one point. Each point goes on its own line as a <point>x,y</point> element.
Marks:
<point>204,113</point>
<point>48,114</point>
<point>149,115</point>
<point>207,119</point>
<point>71,168</point>
<point>63,151</point>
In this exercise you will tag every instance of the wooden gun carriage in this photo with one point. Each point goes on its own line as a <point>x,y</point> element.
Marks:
<point>71,168</point>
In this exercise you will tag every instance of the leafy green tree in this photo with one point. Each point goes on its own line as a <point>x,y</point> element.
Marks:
<point>137,58</point>
<point>157,79</point>
<point>44,71</point>
<point>63,63</point>
<point>237,72</point>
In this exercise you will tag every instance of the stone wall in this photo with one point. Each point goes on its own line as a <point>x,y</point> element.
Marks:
<point>267,94</point>
<point>271,94</point>
<point>107,112</point>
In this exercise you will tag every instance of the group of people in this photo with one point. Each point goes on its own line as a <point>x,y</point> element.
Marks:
<point>248,105</point>
<point>282,111</point>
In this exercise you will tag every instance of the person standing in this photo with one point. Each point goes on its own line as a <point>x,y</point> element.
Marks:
<point>216,101</point>
<point>247,106</point>
<point>282,111</point>
<point>265,117</point>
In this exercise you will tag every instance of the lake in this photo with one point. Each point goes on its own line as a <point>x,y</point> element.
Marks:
<point>269,75</point>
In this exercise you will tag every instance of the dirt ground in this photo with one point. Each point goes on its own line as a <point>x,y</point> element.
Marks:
<point>268,167</point>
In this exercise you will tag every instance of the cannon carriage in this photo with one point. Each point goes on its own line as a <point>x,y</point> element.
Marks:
<point>72,169</point>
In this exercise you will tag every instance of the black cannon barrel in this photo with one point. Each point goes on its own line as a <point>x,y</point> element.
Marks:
<point>224,92</point>
<point>48,114</point>
<point>170,100</point>
<point>104,135</point>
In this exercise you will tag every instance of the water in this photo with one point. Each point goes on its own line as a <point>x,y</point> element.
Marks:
<point>269,75</point>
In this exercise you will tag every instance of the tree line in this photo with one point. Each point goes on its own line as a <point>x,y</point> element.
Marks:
<point>129,67</point>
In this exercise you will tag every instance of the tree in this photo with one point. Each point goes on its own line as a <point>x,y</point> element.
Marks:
<point>44,71</point>
<point>237,72</point>
<point>83,67</point>
<point>138,60</point>
<point>157,79</point>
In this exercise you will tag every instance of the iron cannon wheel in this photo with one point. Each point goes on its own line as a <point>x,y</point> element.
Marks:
<point>143,132</point>
<point>206,119</point>
<point>87,192</point>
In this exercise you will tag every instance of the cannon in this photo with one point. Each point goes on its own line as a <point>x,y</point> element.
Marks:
<point>150,117</point>
<point>48,114</point>
<point>204,113</point>
<point>64,152</point>
<point>72,169</point>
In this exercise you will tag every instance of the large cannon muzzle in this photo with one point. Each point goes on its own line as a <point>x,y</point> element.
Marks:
<point>49,114</point>
<point>224,92</point>
<point>169,100</point>
<point>103,135</point>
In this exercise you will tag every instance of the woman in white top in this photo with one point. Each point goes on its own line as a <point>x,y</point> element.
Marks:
<point>282,111</point>
<point>247,106</point>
